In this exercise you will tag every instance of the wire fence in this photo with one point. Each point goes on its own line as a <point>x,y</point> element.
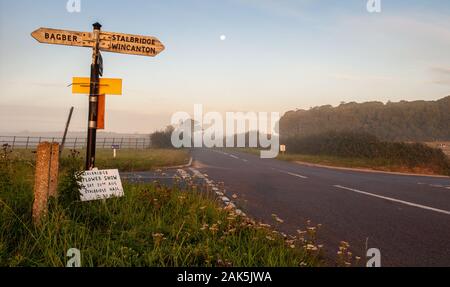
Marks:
<point>23,142</point>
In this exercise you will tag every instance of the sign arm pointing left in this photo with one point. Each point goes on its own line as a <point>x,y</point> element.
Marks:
<point>63,37</point>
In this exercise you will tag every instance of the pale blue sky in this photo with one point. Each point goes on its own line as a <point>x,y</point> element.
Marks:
<point>279,55</point>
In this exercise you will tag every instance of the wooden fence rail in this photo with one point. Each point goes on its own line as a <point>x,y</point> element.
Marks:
<point>23,142</point>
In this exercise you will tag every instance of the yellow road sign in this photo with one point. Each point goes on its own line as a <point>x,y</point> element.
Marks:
<point>81,85</point>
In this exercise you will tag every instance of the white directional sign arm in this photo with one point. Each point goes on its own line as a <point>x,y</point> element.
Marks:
<point>130,44</point>
<point>63,37</point>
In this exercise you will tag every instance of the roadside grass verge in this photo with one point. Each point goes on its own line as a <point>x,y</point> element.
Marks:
<point>151,226</point>
<point>141,160</point>
<point>376,164</point>
<point>126,160</point>
<point>358,149</point>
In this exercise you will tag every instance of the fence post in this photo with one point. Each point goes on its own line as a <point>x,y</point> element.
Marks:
<point>75,143</point>
<point>28,141</point>
<point>14,142</point>
<point>137,141</point>
<point>104,143</point>
<point>63,141</point>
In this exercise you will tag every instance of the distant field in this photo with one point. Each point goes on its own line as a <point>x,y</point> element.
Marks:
<point>127,160</point>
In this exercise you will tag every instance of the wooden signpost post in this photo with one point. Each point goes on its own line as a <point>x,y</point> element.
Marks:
<point>99,41</point>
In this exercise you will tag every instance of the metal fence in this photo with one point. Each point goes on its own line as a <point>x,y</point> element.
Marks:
<point>22,142</point>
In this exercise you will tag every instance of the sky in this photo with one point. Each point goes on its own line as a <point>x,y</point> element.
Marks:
<point>229,55</point>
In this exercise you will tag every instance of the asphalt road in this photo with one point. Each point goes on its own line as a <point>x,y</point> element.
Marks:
<point>406,217</point>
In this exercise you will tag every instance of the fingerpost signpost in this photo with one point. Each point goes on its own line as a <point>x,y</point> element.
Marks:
<point>99,41</point>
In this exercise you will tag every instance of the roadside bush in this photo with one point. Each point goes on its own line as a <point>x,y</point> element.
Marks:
<point>162,139</point>
<point>363,145</point>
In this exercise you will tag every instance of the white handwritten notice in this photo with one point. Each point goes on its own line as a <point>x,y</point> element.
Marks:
<point>100,184</point>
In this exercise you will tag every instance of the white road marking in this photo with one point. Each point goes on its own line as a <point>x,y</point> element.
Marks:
<point>434,185</point>
<point>233,156</point>
<point>294,174</point>
<point>395,200</point>
<point>218,151</point>
<point>440,186</point>
<point>197,173</point>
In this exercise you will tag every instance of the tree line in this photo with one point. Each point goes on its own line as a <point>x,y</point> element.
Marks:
<point>417,121</point>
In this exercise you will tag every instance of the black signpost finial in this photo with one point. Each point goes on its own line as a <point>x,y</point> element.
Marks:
<point>97,26</point>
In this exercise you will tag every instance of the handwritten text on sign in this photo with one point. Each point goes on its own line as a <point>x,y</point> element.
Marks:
<point>100,184</point>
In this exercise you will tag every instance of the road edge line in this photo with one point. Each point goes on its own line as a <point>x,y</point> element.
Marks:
<point>394,200</point>
<point>368,170</point>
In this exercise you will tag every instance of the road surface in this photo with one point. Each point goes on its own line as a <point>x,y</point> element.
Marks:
<point>406,217</point>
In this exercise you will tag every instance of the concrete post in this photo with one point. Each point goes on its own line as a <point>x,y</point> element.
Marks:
<point>46,178</point>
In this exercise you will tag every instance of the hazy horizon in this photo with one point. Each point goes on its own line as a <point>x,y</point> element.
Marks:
<point>82,130</point>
